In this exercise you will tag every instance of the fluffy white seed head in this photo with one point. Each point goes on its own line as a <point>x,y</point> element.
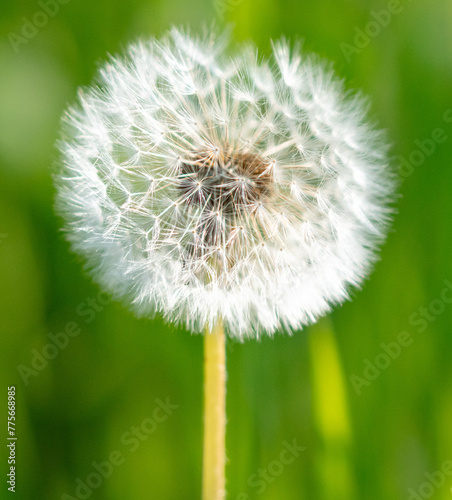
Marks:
<point>203,185</point>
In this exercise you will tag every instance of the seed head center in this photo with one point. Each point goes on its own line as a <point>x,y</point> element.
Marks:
<point>225,183</point>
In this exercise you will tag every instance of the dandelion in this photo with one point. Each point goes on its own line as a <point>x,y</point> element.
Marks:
<point>220,189</point>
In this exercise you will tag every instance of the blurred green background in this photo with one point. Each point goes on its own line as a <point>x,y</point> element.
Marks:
<point>385,438</point>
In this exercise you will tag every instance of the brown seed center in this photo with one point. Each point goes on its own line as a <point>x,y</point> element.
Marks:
<point>225,183</point>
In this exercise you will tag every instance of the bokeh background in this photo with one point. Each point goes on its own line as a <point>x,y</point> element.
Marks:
<point>385,438</point>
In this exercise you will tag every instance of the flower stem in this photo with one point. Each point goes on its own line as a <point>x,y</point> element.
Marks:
<point>214,456</point>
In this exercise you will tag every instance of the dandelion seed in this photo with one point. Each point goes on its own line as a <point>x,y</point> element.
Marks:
<point>205,186</point>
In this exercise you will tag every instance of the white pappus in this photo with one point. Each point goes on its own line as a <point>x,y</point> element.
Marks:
<point>203,183</point>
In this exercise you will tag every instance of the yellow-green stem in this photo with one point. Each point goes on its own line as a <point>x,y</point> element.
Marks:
<point>214,454</point>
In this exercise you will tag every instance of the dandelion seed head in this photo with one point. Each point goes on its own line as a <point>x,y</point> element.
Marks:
<point>203,185</point>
